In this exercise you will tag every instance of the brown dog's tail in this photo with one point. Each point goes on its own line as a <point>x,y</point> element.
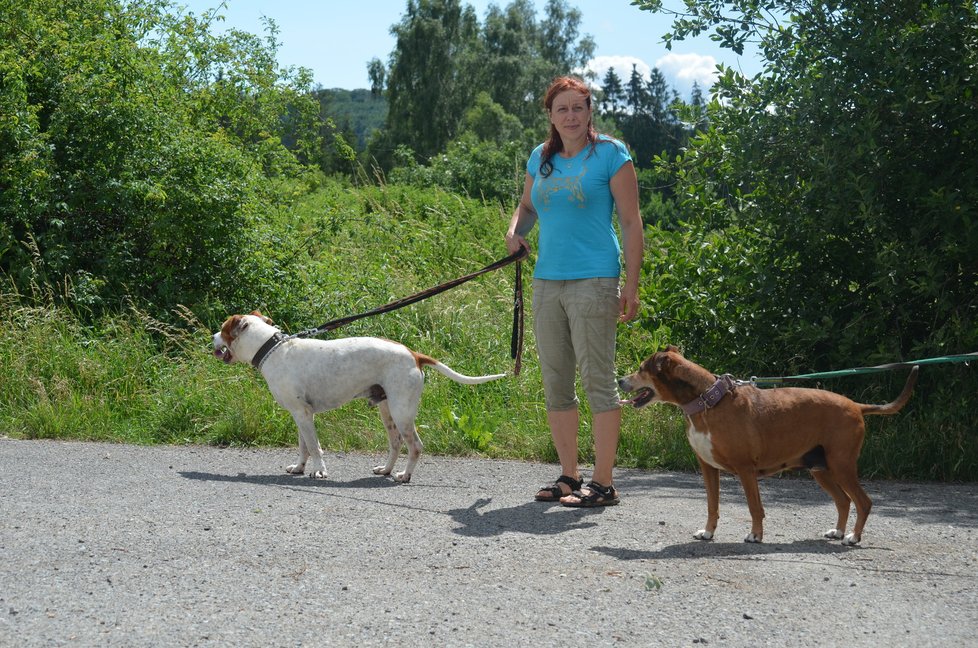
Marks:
<point>901,400</point>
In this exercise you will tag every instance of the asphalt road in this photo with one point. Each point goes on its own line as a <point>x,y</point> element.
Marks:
<point>114,545</point>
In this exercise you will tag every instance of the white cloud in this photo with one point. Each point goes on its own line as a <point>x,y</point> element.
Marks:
<point>682,70</point>
<point>679,70</point>
<point>622,65</point>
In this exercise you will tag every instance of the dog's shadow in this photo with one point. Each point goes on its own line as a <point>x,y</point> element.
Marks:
<point>695,549</point>
<point>522,518</point>
<point>286,479</point>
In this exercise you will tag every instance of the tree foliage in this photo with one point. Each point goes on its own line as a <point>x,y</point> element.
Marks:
<point>135,146</point>
<point>645,112</point>
<point>353,115</point>
<point>848,165</point>
<point>429,83</point>
<point>522,54</point>
<point>443,59</point>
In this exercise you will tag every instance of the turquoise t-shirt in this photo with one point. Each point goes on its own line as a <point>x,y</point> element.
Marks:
<point>574,207</point>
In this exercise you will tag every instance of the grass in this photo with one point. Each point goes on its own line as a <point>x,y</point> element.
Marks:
<point>116,381</point>
<point>131,377</point>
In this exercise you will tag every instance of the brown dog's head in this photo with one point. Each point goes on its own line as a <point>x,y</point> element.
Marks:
<point>665,377</point>
<point>231,330</point>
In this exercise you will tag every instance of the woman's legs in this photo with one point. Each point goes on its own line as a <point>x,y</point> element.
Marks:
<point>557,365</point>
<point>607,426</point>
<point>593,321</point>
<point>575,323</point>
<point>563,428</point>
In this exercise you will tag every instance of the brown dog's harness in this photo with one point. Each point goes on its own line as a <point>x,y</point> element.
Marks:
<point>709,399</point>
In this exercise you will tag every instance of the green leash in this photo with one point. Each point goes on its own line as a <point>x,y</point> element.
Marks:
<point>963,357</point>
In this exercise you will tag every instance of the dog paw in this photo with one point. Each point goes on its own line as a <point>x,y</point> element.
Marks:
<point>833,534</point>
<point>703,534</point>
<point>402,477</point>
<point>318,474</point>
<point>752,538</point>
<point>295,469</point>
<point>382,470</point>
<point>851,540</point>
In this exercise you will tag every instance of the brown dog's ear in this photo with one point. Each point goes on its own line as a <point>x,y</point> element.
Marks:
<point>662,360</point>
<point>267,320</point>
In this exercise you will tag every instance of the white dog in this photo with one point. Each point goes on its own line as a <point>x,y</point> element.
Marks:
<point>309,376</point>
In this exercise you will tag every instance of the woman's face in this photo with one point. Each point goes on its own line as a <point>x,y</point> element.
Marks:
<point>570,115</point>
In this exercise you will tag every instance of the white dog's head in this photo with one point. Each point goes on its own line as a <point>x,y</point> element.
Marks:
<point>233,329</point>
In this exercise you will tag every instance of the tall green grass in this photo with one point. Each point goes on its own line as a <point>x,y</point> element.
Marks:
<point>132,377</point>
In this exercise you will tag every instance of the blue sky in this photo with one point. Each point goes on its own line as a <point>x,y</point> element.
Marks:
<point>335,39</point>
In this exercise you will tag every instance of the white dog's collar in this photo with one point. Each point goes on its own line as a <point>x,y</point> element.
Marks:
<point>266,349</point>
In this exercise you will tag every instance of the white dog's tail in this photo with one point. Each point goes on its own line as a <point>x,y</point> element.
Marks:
<point>445,370</point>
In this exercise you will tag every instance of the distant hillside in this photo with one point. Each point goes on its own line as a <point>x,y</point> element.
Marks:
<point>354,111</point>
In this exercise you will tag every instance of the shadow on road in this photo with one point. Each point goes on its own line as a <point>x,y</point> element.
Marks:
<point>925,502</point>
<point>291,480</point>
<point>696,549</point>
<point>530,517</point>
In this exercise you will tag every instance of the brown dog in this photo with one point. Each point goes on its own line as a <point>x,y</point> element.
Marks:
<point>752,433</point>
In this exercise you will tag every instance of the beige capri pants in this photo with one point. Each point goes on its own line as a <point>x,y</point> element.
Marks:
<point>575,323</point>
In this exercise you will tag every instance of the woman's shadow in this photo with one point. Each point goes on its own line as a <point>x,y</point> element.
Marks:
<point>530,517</point>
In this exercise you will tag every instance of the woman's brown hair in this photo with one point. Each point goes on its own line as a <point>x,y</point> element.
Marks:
<point>554,143</point>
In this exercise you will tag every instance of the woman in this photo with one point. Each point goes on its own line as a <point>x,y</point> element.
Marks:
<point>574,181</point>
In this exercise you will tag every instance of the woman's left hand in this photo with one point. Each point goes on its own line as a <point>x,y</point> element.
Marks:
<point>629,305</point>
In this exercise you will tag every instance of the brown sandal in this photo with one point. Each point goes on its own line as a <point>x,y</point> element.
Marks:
<point>554,493</point>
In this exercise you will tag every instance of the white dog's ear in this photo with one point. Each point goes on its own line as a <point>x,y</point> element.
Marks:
<point>238,324</point>
<point>232,327</point>
<point>267,320</point>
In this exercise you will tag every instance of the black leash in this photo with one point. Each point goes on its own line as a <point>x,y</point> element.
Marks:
<point>516,342</point>
<point>516,345</point>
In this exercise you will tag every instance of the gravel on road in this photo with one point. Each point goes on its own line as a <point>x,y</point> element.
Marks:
<point>119,545</point>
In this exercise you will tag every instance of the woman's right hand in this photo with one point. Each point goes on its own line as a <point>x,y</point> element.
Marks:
<point>514,242</point>
<point>523,220</point>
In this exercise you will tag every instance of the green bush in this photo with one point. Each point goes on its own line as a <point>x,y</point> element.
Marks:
<point>342,250</point>
<point>138,149</point>
<point>719,295</point>
<point>471,167</point>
